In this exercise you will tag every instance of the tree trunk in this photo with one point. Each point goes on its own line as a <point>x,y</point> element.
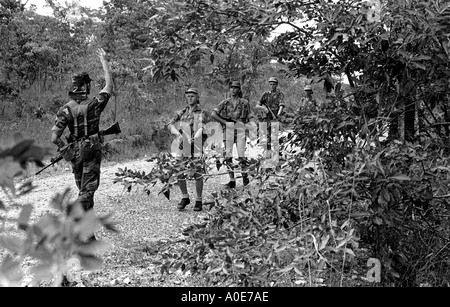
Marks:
<point>394,127</point>
<point>410,119</point>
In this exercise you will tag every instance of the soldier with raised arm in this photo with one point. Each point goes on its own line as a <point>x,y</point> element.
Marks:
<point>82,116</point>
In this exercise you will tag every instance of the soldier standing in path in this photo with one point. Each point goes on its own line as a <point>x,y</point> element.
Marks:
<point>271,105</point>
<point>188,125</point>
<point>233,113</point>
<point>82,116</point>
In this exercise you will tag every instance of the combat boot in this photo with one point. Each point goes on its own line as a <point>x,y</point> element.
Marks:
<point>230,185</point>
<point>183,203</point>
<point>198,206</point>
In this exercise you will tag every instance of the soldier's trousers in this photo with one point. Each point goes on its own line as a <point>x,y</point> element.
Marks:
<point>266,136</point>
<point>87,178</point>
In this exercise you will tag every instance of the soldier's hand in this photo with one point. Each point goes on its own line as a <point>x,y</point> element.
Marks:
<point>101,54</point>
<point>60,144</point>
<point>262,108</point>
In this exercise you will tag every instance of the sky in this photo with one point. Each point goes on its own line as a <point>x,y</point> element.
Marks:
<point>43,10</point>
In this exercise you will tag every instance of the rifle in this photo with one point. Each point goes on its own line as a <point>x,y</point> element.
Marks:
<point>270,110</point>
<point>113,129</point>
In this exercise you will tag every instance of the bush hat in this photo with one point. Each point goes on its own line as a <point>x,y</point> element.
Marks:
<point>191,90</point>
<point>235,84</point>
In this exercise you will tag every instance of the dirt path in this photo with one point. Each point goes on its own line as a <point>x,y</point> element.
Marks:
<point>142,220</point>
<point>57,181</point>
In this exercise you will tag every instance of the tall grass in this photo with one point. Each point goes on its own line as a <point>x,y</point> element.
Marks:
<point>140,110</point>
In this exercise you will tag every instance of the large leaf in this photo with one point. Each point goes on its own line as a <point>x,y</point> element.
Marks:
<point>24,217</point>
<point>87,225</point>
<point>57,201</point>
<point>47,226</point>
<point>94,247</point>
<point>11,269</point>
<point>41,252</point>
<point>90,262</point>
<point>401,178</point>
<point>11,243</point>
<point>42,272</point>
<point>8,170</point>
<point>25,151</point>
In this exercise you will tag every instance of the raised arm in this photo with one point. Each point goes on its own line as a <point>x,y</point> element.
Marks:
<point>108,78</point>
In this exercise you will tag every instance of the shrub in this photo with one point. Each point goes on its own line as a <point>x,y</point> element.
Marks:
<point>55,238</point>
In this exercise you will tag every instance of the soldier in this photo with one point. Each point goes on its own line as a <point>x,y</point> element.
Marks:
<point>234,112</point>
<point>271,105</point>
<point>188,125</point>
<point>309,102</point>
<point>82,116</point>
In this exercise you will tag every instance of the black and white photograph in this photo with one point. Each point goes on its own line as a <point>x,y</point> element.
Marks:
<point>225,152</point>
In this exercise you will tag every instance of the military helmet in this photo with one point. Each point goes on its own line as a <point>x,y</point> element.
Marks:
<point>273,79</point>
<point>191,90</point>
<point>80,79</point>
<point>308,88</point>
<point>235,84</point>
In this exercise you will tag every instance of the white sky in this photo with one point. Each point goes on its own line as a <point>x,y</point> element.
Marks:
<point>43,9</point>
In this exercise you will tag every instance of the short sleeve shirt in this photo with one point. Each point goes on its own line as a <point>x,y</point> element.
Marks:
<point>273,100</point>
<point>195,118</point>
<point>95,107</point>
<point>308,105</point>
<point>239,112</point>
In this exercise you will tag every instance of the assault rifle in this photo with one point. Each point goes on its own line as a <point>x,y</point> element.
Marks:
<point>270,110</point>
<point>114,129</point>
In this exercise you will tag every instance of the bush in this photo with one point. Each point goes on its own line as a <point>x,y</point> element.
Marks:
<point>55,238</point>
<point>391,197</point>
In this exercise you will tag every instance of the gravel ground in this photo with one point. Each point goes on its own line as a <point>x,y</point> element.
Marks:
<point>144,221</point>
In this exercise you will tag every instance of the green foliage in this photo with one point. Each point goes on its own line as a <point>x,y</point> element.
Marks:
<point>52,239</point>
<point>401,184</point>
<point>255,237</point>
<point>392,196</point>
<point>370,182</point>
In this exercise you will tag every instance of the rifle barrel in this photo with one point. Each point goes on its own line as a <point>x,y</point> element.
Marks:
<point>55,160</point>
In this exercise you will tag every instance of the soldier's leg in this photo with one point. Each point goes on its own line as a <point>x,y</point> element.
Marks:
<point>240,146</point>
<point>228,157</point>
<point>199,187</point>
<point>90,181</point>
<point>240,139</point>
<point>183,186</point>
<point>199,190</point>
<point>184,192</point>
<point>269,138</point>
<point>77,169</point>
<point>263,136</point>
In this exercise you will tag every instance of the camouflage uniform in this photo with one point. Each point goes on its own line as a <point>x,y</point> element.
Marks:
<point>87,142</point>
<point>239,113</point>
<point>308,105</point>
<point>195,119</point>
<point>273,101</point>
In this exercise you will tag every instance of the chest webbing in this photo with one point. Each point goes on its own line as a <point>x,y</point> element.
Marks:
<point>79,109</point>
